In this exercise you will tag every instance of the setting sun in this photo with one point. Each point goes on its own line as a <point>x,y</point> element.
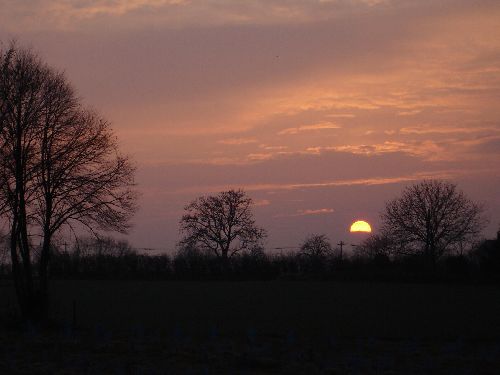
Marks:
<point>361,226</point>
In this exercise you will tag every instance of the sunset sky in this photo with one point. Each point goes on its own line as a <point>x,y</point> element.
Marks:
<point>322,110</point>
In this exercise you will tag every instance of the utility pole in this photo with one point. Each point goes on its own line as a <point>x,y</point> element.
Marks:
<point>341,244</point>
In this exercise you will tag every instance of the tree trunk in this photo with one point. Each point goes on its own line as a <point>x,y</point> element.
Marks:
<point>43,273</point>
<point>224,261</point>
<point>17,272</point>
<point>32,300</point>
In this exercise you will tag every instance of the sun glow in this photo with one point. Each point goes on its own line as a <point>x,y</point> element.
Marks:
<point>361,226</point>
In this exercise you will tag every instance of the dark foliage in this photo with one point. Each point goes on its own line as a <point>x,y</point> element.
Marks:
<point>110,259</point>
<point>487,256</point>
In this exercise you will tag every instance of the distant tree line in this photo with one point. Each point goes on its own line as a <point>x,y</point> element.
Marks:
<point>108,258</point>
<point>429,233</point>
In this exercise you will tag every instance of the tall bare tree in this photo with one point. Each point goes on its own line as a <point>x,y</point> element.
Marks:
<point>59,165</point>
<point>431,218</point>
<point>222,224</point>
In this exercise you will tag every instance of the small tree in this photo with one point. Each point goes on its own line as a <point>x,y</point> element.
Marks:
<point>316,246</point>
<point>430,218</point>
<point>221,224</point>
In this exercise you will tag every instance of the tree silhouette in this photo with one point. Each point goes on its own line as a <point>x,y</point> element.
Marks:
<point>430,218</point>
<point>4,253</point>
<point>375,245</point>
<point>316,246</point>
<point>59,165</point>
<point>221,224</point>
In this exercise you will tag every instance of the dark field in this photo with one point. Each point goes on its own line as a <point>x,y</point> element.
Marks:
<point>261,327</point>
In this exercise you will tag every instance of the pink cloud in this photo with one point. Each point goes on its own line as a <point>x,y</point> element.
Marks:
<point>307,212</point>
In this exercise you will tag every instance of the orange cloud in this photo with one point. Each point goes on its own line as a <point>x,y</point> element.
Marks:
<point>428,149</point>
<point>271,187</point>
<point>312,127</point>
<point>237,141</point>
<point>436,129</point>
<point>410,113</point>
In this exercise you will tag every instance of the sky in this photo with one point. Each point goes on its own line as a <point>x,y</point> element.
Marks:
<point>322,110</point>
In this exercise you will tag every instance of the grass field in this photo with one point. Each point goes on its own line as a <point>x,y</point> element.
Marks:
<point>330,327</point>
<point>343,309</point>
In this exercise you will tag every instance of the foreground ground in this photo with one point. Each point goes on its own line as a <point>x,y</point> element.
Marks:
<point>259,327</point>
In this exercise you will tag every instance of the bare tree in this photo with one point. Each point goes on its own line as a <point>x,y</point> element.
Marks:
<point>376,245</point>
<point>222,224</point>
<point>431,218</point>
<point>59,165</point>
<point>316,246</point>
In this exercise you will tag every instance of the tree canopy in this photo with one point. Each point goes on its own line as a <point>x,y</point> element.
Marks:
<point>431,218</point>
<point>316,246</point>
<point>221,224</point>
